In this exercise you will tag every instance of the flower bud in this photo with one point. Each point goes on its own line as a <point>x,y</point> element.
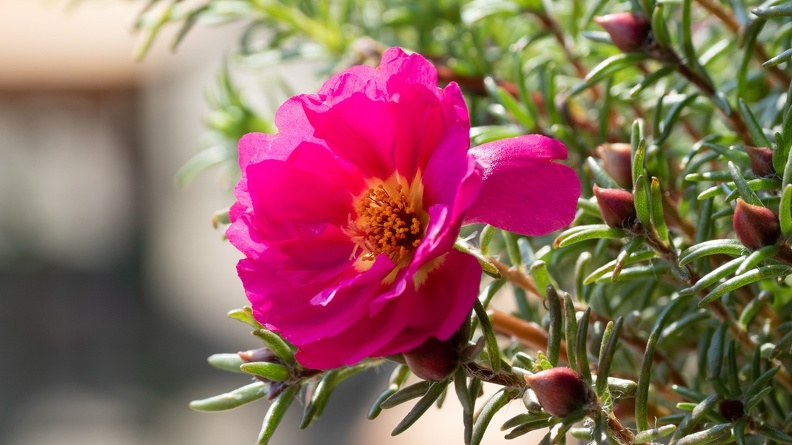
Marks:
<point>629,32</point>
<point>755,226</point>
<point>731,409</point>
<point>761,161</point>
<point>434,360</point>
<point>617,207</point>
<point>560,391</point>
<point>257,355</point>
<point>617,162</point>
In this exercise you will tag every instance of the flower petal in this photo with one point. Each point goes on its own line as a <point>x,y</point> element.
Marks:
<point>523,190</point>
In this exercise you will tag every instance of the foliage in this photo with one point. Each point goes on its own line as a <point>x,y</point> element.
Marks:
<point>670,308</point>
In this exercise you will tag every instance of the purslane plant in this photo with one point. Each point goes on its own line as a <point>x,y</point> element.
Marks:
<point>662,314</point>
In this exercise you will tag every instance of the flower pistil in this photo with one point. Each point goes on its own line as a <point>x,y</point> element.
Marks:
<point>389,221</point>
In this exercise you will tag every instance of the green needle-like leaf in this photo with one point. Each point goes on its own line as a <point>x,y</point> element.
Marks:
<point>785,212</point>
<point>746,193</point>
<point>226,362</point>
<point>406,394</point>
<point>713,434</point>
<point>554,331</point>
<point>716,275</point>
<point>231,400</point>
<point>245,315</point>
<point>580,346</point>
<point>270,371</point>
<point>277,345</point>
<point>609,341</point>
<point>729,247</point>
<point>653,434</point>
<point>697,415</point>
<point>493,351</point>
<point>644,377</point>
<point>643,201</point>
<point>493,405</point>
<point>435,391</point>
<point>744,280</point>
<point>275,413</point>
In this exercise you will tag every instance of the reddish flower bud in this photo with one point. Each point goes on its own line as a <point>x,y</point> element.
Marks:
<point>629,32</point>
<point>257,355</point>
<point>755,226</point>
<point>731,409</point>
<point>761,161</point>
<point>560,391</point>
<point>617,207</point>
<point>617,162</point>
<point>434,360</point>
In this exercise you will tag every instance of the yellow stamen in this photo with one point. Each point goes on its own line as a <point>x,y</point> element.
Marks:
<point>387,223</point>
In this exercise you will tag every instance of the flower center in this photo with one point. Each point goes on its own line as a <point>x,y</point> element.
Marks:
<point>388,222</point>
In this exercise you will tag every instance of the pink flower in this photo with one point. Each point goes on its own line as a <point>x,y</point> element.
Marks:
<point>348,216</point>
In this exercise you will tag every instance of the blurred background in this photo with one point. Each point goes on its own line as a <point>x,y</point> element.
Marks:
<point>113,282</point>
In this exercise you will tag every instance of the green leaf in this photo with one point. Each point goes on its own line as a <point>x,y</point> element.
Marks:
<point>493,405</point>
<point>749,35</point>
<point>432,394</point>
<point>467,400</point>
<point>715,352</point>
<point>406,394</point>
<point>756,257</point>
<point>609,341</point>
<point>757,134</point>
<point>756,398</point>
<point>600,177</point>
<point>270,371</point>
<point>645,374</point>
<point>761,382</point>
<point>321,394</point>
<point>774,433</point>
<point>231,400</point>
<point>606,68</point>
<point>658,219</point>
<point>487,233</point>
<point>716,275</point>
<point>779,59</point>
<point>746,193</point>
<point>515,108</point>
<point>642,201</point>
<point>659,29</point>
<point>277,345</point>
<point>632,258</point>
<point>570,330</point>
<point>199,163</point>
<point>713,434</point>
<point>486,265</point>
<point>580,346</point>
<point>785,212</point>
<point>593,231</point>
<point>729,247</point>
<point>744,280</point>
<point>275,413</point>
<point>653,434</point>
<point>651,79</point>
<point>493,351</point>
<point>554,331</point>
<point>697,415</point>
<point>226,362</point>
<point>245,315</point>
<point>782,10</point>
<point>673,116</point>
